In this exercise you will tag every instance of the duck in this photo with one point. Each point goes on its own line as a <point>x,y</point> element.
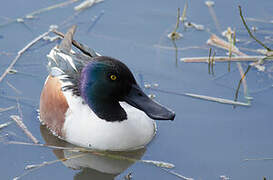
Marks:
<point>94,101</point>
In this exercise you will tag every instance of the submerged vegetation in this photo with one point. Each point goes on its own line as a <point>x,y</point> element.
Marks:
<point>234,54</point>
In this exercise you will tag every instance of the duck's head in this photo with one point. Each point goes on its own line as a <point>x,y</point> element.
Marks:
<point>104,82</point>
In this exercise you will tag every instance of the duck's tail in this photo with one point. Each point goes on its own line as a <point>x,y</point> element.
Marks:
<point>63,60</point>
<point>66,43</point>
<point>60,58</point>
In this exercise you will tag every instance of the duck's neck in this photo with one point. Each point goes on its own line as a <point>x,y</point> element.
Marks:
<point>105,108</point>
<point>109,110</point>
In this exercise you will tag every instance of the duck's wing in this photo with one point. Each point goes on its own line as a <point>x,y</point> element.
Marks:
<point>66,64</point>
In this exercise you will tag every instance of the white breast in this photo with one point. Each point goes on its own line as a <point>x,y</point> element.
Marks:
<point>82,127</point>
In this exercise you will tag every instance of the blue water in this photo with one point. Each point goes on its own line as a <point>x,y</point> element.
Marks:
<point>205,141</point>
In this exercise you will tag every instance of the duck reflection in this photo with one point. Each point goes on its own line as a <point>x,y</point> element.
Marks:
<point>92,166</point>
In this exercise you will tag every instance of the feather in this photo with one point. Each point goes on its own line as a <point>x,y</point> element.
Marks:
<point>66,64</point>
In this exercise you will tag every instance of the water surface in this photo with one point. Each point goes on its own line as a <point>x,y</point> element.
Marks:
<point>205,141</point>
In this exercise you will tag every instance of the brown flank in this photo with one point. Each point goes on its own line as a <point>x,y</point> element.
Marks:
<point>53,106</point>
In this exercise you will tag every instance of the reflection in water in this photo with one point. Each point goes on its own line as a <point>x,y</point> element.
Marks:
<point>92,166</point>
<point>176,51</point>
<point>240,82</point>
<point>211,62</point>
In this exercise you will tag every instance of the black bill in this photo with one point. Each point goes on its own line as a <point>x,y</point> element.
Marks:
<point>141,101</point>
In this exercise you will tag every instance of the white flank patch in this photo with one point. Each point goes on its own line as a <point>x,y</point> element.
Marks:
<point>82,127</point>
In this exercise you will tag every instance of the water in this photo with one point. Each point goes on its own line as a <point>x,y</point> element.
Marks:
<point>205,141</point>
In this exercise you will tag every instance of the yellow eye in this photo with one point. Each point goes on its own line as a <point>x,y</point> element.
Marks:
<point>113,77</point>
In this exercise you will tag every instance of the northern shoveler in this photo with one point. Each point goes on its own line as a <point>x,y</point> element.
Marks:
<point>94,101</point>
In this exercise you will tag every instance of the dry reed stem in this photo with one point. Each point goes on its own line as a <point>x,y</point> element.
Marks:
<point>19,54</point>
<point>259,159</point>
<point>13,88</point>
<point>86,4</point>
<point>177,174</point>
<point>39,11</point>
<point>215,99</point>
<point>178,48</point>
<point>183,16</point>
<point>222,59</point>
<point>51,7</point>
<point>220,43</point>
<point>33,167</point>
<point>208,98</point>
<point>7,109</point>
<point>5,124</point>
<point>20,123</point>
